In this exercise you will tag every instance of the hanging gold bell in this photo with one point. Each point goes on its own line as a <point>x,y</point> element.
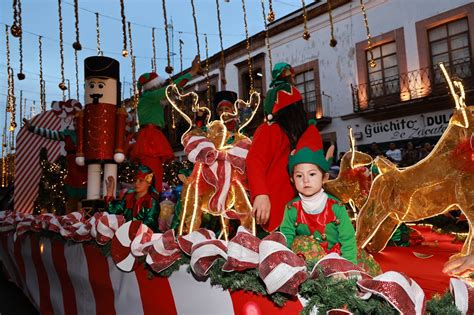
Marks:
<point>125,53</point>
<point>77,46</point>
<point>372,63</point>
<point>306,35</point>
<point>333,42</point>
<point>169,69</point>
<point>62,86</point>
<point>12,126</point>
<point>271,16</point>
<point>16,30</point>
<point>21,76</point>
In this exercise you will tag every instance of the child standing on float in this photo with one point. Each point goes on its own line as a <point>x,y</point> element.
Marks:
<point>267,160</point>
<point>315,213</point>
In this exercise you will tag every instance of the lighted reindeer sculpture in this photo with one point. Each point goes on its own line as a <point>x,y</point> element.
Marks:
<point>352,185</point>
<point>218,183</point>
<point>442,181</point>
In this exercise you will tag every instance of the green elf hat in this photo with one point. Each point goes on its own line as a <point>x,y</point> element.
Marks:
<point>309,149</point>
<point>279,97</point>
<point>281,71</point>
<point>144,172</point>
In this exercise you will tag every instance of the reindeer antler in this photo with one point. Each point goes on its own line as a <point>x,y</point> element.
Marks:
<point>253,103</point>
<point>460,98</point>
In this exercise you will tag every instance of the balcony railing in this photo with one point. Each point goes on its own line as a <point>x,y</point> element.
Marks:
<point>411,86</point>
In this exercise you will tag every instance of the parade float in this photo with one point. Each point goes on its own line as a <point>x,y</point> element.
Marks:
<point>95,262</point>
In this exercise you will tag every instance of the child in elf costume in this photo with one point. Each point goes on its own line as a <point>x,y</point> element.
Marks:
<point>315,213</point>
<point>151,147</point>
<point>267,160</point>
<point>140,203</point>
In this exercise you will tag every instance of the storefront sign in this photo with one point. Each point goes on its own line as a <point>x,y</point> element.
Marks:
<point>410,127</point>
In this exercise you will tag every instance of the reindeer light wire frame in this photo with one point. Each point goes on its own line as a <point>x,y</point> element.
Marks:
<point>172,90</point>
<point>459,105</point>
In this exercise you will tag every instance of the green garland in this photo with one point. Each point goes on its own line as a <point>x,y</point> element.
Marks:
<point>442,305</point>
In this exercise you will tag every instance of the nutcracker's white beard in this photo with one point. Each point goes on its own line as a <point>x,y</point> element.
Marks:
<point>154,84</point>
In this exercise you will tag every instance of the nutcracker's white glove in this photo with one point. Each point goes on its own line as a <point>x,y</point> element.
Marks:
<point>80,160</point>
<point>119,157</point>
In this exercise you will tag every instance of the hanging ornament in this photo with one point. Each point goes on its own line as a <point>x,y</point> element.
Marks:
<point>77,44</point>
<point>222,61</point>
<point>267,36</point>
<point>169,68</point>
<point>124,29</point>
<point>195,28</point>
<point>306,34</point>
<point>271,15</point>
<point>247,40</point>
<point>153,60</point>
<point>16,27</point>
<point>208,81</point>
<point>332,41</point>
<point>77,74</point>
<point>42,83</point>
<point>181,43</point>
<point>372,62</point>
<point>61,85</point>
<point>97,31</point>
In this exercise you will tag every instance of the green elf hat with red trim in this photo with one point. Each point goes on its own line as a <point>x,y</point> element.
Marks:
<point>144,172</point>
<point>309,149</point>
<point>282,93</point>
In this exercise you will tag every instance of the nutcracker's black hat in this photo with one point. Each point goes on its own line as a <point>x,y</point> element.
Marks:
<point>100,66</point>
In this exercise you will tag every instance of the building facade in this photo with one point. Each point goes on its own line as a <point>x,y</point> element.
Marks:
<point>402,98</point>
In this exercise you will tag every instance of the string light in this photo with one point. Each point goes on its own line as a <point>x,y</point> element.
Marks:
<point>271,15</point>
<point>181,43</point>
<point>21,105</point>
<point>332,41</point>
<point>208,81</point>
<point>249,60</point>
<point>77,74</point>
<point>97,30</point>
<point>16,27</point>
<point>372,62</point>
<point>195,28</point>
<point>20,75</point>
<point>77,44</point>
<point>42,83</point>
<point>267,36</point>
<point>11,89</point>
<point>4,147</point>
<point>222,61</point>
<point>134,73</point>
<point>124,29</point>
<point>306,34</point>
<point>153,60</point>
<point>169,68</point>
<point>62,85</point>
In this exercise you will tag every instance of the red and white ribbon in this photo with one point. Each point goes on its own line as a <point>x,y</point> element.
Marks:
<point>280,269</point>
<point>186,242</point>
<point>402,292</point>
<point>242,251</point>
<point>163,252</point>
<point>334,265</point>
<point>121,249</point>
<point>217,165</point>
<point>106,226</point>
<point>205,254</point>
<point>463,295</point>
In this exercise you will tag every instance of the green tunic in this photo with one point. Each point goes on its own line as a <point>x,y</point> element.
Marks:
<point>333,221</point>
<point>145,209</point>
<point>150,109</point>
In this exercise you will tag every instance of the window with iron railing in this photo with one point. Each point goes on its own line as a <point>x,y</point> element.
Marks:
<point>449,43</point>
<point>305,84</point>
<point>383,78</point>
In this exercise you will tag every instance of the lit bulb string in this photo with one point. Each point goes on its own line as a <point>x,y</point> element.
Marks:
<point>61,48</point>
<point>150,26</point>
<point>196,27</point>
<point>247,40</point>
<point>267,35</point>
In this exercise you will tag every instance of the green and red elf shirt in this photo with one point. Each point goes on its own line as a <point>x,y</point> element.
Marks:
<point>331,227</point>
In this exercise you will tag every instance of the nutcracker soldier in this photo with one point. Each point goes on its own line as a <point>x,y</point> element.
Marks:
<point>101,125</point>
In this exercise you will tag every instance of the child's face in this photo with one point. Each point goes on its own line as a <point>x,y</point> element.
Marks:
<point>308,179</point>
<point>141,185</point>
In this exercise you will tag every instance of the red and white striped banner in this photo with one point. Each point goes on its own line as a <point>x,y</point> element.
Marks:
<point>27,166</point>
<point>63,278</point>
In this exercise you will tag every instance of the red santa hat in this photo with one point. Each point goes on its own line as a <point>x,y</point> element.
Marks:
<point>149,80</point>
